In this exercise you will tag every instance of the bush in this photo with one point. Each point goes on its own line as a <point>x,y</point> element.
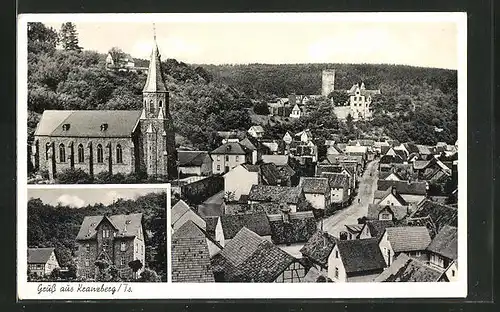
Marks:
<point>149,276</point>
<point>261,108</point>
<point>73,176</point>
<point>107,178</point>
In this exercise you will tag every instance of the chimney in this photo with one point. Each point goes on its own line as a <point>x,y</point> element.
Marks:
<point>285,213</point>
<point>393,190</point>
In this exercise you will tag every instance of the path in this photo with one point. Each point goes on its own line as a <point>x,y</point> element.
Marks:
<point>349,215</point>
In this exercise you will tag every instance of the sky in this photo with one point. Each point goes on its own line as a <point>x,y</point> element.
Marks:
<point>81,197</point>
<point>412,42</point>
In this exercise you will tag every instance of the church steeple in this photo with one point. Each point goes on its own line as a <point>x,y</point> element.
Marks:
<point>155,94</point>
<point>155,81</point>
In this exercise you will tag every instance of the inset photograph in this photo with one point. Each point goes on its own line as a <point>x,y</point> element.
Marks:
<point>97,234</point>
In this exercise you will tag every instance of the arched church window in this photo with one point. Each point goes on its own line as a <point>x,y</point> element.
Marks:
<point>100,157</point>
<point>160,104</point>
<point>62,153</point>
<point>119,158</point>
<point>81,155</point>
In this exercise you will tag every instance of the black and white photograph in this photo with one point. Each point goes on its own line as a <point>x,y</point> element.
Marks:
<point>97,235</point>
<point>297,148</point>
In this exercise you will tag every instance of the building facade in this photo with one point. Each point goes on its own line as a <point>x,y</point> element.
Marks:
<point>116,240</point>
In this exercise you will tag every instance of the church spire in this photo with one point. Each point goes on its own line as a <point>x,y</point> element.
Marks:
<point>155,82</point>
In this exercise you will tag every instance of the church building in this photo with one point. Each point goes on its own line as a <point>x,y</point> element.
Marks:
<point>114,141</point>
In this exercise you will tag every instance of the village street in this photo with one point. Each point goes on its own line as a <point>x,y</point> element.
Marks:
<point>349,215</point>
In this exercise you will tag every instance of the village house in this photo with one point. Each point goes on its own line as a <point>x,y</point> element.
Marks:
<point>250,258</point>
<point>408,148</point>
<point>316,191</point>
<point>303,152</point>
<point>412,192</point>
<point>360,100</point>
<point>407,269</point>
<point>410,240</point>
<point>387,212</point>
<point>181,213</point>
<point>117,240</point>
<point>293,197</point>
<point>113,141</point>
<point>443,251</point>
<point>229,155</point>
<point>333,150</point>
<point>256,131</point>
<point>339,188</point>
<point>296,112</point>
<point>440,214</point>
<point>375,228</point>
<point>352,231</point>
<point>126,62</point>
<point>389,197</point>
<point>255,147</point>
<point>42,261</point>
<point>190,255</point>
<point>291,230</point>
<point>357,260</point>
<point>351,160</point>
<point>239,180</point>
<point>196,163</point>
<point>231,224</point>
<point>317,251</point>
<point>348,169</point>
<point>432,170</point>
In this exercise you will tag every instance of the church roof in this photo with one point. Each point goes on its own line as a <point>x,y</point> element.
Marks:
<point>155,81</point>
<point>88,123</point>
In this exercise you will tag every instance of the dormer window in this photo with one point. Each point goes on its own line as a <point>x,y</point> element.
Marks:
<point>65,127</point>
<point>104,127</point>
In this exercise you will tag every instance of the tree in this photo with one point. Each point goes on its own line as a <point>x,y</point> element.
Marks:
<point>41,39</point>
<point>338,97</point>
<point>135,265</point>
<point>69,37</point>
<point>149,276</point>
<point>260,108</point>
<point>73,176</point>
<point>117,55</point>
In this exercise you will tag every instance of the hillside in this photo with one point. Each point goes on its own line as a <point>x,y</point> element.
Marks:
<point>414,100</point>
<point>58,226</point>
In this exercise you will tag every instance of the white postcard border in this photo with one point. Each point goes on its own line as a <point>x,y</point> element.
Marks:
<point>241,290</point>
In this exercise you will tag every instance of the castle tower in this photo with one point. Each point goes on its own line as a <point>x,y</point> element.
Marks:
<point>327,81</point>
<point>158,137</point>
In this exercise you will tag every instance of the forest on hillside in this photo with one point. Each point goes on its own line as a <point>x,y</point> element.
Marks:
<point>66,76</point>
<point>416,104</point>
<point>58,226</point>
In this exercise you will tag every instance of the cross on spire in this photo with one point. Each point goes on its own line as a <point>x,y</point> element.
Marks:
<point>154,32</point>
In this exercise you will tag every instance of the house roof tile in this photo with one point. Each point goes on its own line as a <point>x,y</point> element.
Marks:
<point>314,185</point>
<point>445,242</point>
<point>256,222</point>
<point>128,225</point>
<point>319,247</point>
<point>231,148</point>
<point>440,214</point>
<point>299,229</point>
<point>190,255</point>
<point>338,180</point>
<point>399,212</point>
<point>39,255</point>
<point>377,227</point>
<point>406,269</point>
<point>272,193</point>
<point>191,158</point>
<point>408,238</point>
<point>404,187</point>
<point>359,255</point>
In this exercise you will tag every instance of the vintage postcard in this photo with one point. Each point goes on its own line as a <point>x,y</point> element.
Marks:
<point>300,151</point>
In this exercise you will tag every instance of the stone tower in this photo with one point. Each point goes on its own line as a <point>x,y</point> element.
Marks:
<point>327,82</point>
<point>158,137</point>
